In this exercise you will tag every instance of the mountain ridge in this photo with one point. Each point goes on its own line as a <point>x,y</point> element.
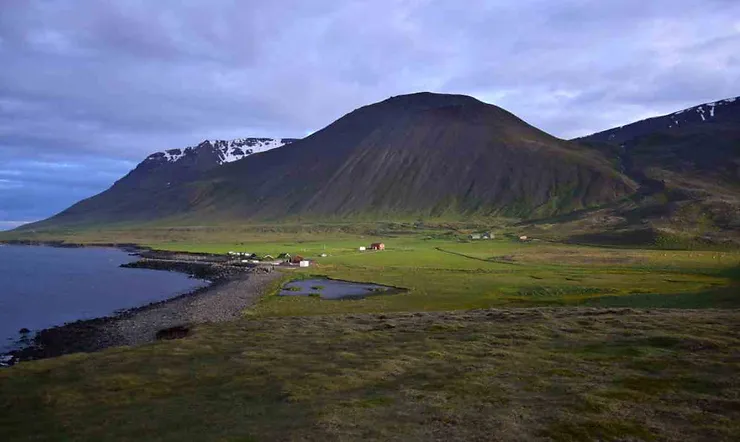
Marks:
<point>687,164</point>
<point>721,111</point>
<point>226,150</point>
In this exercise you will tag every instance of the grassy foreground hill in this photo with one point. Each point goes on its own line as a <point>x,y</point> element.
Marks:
<point>508,375</point>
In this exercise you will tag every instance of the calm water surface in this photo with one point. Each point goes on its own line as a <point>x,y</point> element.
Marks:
<point>45,286</point>
<point>333,289</point>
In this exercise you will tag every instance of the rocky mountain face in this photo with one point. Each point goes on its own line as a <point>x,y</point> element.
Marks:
<point>418,155</point>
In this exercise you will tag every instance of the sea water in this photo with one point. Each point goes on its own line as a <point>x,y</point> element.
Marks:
<point>41,287</point>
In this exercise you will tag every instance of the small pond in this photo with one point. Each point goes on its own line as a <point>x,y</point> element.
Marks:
<point>333,289</point>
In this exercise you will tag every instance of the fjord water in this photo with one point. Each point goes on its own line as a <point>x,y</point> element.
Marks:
<point>42,287</point>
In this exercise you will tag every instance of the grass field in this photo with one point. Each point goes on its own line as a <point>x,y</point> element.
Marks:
<point>510,375</point>
<point>450,274</point>
<point>432,363</point>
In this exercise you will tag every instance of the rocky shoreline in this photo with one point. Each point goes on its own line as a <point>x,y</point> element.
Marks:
<point>232,289</point>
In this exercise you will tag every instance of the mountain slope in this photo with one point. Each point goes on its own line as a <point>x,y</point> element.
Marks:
<point>181,165</point>
<point>702,140</point>
<point>715,113</point>
<point>428,155</point>
<point>688,166</point>
<point>143,186</point>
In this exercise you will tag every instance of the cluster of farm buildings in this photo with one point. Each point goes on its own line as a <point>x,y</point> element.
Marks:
<point>489,235</point>
<point>373,246</point>
<point>286,259</point>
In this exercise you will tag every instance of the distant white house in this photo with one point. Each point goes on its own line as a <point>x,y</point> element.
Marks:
<point>523,238</point>
<point>363,248</point>
<point>475,236</point>
<point>304,263</point>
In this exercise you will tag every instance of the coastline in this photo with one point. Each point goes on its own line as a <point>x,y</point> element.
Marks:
<point>231,290</point>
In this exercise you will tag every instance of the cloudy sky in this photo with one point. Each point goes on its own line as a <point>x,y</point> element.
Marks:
<point>90,88</point>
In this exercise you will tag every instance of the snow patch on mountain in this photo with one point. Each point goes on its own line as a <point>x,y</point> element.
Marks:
<point>712,108</point>
<point>233,150</point>
<point>227,150</point>
<point>173,155</point>
<point>716,112</point>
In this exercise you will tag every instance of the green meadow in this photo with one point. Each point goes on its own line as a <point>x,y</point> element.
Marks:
<point>491,340</point>
<point>457,274</point>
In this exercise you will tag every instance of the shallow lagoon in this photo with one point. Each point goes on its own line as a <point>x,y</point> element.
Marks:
<point>333,289</point>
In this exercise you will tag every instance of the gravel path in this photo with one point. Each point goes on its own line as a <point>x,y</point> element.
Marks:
<point>221,302</point>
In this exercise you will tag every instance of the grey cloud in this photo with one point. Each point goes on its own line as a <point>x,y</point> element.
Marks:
<point>103,84</point>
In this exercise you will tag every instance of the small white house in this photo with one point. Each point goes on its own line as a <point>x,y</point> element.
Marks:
<point>304,263</point>
<point>323,255</point>
<point>363,248</point>
<point>523,238</point>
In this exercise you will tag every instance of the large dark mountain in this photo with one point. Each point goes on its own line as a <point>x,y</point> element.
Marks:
<point>419,155</point>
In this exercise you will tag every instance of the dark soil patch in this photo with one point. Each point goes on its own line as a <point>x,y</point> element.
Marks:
<point>177,332</point>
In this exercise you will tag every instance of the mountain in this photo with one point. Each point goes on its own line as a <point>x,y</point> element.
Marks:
<point>688,166</point>
<point>698,117</point>
<point>702,140</point>
<point>174,166</point>
<point>418,155</point>
<point>696,148</point>
<point>220,151</point>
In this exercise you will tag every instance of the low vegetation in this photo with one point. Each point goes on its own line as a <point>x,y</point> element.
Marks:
<point>448,274</point>
<point>513,374</point>
<point>447,359</point>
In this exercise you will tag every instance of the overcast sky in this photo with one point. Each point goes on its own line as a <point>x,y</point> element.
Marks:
<point>90,88</point>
